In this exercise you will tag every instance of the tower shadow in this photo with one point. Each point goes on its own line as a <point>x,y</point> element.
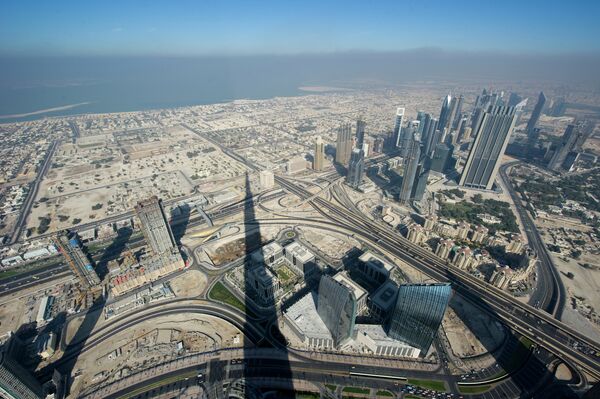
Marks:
<point>65,365</point>
<point>180,218</point>
<point>519,358</point>
<point>262,379</point>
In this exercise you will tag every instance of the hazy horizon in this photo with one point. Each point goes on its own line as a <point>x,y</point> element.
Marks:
<point>113,84</point>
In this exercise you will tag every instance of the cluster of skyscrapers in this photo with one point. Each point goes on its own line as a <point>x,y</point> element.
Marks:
<point>415,317</point>
<point>427,144</point>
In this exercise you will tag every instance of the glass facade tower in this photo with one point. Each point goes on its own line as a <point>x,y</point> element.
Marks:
<point>418,313</point>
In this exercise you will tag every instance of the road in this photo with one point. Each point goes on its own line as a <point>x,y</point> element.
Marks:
<point>550,294</point>
<point>35,186</point>
<point>53,271</point>
<point>533,323</point>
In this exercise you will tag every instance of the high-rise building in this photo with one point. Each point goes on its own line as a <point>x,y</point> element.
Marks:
<point>356,168</point>
<point>16,382</point>
<point>458,112</point>
<point>422,117</point>
<point>411,164</point>
<point>398,126</point>
<point>406,137</point>
<point>319,157</point>
<point>360,132</point>
<point>368,146</point>
<point>336,305</point>
<point>378,145</point>
<point>571,142</point>
<point>441,157</point>
<point>155,225</point>
<point>267,179</point>
<point>78,260</point>
<point>420,184</point>
<point>514,99</point>
<point>488,147</point>
<point>418,313</point>
<point>429,138</point>
<point>445,113</point>
<point>344,145</point>
<point>535,115</point>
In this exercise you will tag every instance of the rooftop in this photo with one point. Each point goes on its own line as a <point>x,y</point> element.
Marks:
<point>300,252</point>
<point>374,260</point>
<point>304,315</point>
<point>345,280</point>
<point>385,295</point>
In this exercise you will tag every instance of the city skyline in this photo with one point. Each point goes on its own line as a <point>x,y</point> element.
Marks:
<point>259,199</point>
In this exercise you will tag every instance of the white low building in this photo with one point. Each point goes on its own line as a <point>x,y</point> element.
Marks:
<point>374,340</point>
<point>304,320</point>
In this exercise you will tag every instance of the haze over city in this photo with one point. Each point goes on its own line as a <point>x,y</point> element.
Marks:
<point>256,199</point>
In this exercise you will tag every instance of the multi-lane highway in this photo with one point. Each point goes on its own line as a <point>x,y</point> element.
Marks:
<point>550,294</point>
<point>34,188</point>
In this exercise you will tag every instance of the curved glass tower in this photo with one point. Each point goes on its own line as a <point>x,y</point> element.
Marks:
<point>418,313</point>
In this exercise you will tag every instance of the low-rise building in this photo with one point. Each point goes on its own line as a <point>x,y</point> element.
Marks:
<point>479,234</point>
<point>463,258</point>
<point>265,284</point>
<point>444,247</point>
<point>301,260</point>
<point>415,233</point>
<point>267,254</point>
<point>382,301</point>
<point>430,222</point>
<point>374,340</point>
<point>304,321</point>
<point>373,268</point>
<point>295,165</point>
<point>462,230</point>
<point>516,244</point>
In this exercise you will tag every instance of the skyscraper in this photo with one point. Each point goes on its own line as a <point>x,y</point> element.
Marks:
<point>422,117</point>
<point>319,154</point>
<point>420,182</point>
<point>410,169</point>
<point>344,145</point>
<point>356,168</point>
<point>535,115</point>
<point>418,313</point>
<point>514,99</point>
<point>267,179</point>
<point>406,137</point>
<point>398,126</point>
<point>155,225</point>
<point>16,381</point>
<point>457,115</point>
<point>336,305</point>
<point>429,137</point>
<point>488,147</point>
<point>360,132</point>
<point>572,140</point>
<point>441,157</point>
<point>445,113</point>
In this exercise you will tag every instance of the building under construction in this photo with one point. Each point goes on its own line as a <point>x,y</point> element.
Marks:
<point>78,261</point>
<point>155,225</point>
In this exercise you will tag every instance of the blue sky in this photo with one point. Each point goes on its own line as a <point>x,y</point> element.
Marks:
<point>288,27</point>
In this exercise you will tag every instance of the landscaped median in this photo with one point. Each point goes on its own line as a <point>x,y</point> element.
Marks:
<point>436,385</point>
<point>159,384</point>
<point>220,293</point>
<point>353,391</point>
<point>467,390</point>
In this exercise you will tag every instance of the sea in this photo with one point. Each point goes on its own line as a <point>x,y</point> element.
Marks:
<point>35,88</point>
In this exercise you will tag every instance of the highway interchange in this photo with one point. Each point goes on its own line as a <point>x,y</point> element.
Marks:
<point>541,327</point>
